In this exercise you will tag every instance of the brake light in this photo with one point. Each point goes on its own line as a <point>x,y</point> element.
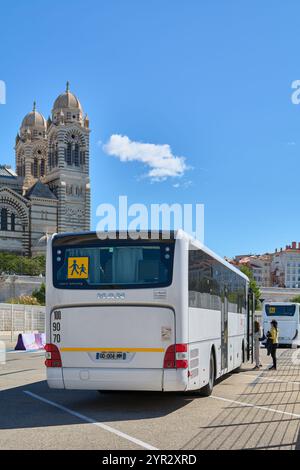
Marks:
<point>176,357</point>
<point>53,358</point>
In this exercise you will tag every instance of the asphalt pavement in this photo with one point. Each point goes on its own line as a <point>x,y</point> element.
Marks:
<point>248,410</point>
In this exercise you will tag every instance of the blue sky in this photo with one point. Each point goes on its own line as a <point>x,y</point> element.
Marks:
<point>211,79</point>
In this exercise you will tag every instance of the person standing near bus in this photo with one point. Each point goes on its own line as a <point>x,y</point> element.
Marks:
<point>274,338</point>
<point>257,344</point>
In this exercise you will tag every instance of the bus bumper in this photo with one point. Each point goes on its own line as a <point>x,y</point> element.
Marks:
<point>112,379</point>
<point>55,377</point>
<point>74,378</point>
<point>175,380</point>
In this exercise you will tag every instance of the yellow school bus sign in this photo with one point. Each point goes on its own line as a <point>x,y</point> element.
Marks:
<point>78,267</point>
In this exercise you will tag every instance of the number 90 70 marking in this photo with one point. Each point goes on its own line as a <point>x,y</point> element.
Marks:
<point>56,331</point>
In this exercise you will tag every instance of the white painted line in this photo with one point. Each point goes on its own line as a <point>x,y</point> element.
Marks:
<point>279,381</point>
<point>91,421</point>
<point>251,405</point>
<point>33,351</point>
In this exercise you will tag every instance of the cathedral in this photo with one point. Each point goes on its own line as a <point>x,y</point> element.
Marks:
<point>50,190</point>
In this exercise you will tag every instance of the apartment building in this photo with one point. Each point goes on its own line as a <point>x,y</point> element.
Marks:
<point>278,269</point>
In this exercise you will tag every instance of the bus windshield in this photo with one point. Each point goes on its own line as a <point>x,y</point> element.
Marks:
<point>280,310</point>
<point>113,265</point>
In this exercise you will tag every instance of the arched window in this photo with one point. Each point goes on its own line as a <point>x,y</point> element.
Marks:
<point>69,153</point>
<point>35,168</point>
<point>42,167</point>
<point>13,222</point>
<point>3,219</point>
<point>76,155</point>
<point>50,158</point>
<point>53,155</point>
<point>56,156</point>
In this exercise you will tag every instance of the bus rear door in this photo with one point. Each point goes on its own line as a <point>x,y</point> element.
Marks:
<point>121,341</point>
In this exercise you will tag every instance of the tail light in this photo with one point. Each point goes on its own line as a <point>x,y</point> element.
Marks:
<point>53,358</point>
<point>176,357</point>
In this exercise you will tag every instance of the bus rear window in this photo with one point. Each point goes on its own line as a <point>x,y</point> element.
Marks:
<point>280,310</point>
<point>113,265</point>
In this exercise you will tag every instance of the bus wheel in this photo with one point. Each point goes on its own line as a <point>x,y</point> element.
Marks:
<point>207,390</point>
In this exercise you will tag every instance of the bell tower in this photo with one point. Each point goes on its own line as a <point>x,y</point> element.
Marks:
<point>31,148</point>
<point>68,162</point>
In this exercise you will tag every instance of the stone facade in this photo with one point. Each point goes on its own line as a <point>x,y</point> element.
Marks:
<point>50,190</point>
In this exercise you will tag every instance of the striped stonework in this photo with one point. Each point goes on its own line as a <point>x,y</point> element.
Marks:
<point>51,190</point>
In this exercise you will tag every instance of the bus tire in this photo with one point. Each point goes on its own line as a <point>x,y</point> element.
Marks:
<point>206,391</point>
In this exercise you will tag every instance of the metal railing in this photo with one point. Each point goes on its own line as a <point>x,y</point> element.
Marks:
<point>20,318</point>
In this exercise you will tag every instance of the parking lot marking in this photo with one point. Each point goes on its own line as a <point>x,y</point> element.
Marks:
<point>279,381</point>
<point>29,351</point>
<point>91,421</point>
<point>251,405</point>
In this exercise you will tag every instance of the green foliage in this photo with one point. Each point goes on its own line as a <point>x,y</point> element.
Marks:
<point>10,263</point>
<point>40,294</point>
<point>253,285</point>
<point>296,299</point>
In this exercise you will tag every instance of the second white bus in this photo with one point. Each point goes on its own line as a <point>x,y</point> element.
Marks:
<point>287,315</point>
<point>147,314</point>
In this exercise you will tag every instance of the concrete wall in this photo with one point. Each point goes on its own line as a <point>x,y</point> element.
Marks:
<point>278,294</point>
<point>14,286</point>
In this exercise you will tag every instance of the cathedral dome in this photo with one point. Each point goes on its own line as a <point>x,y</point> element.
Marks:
<point>34,119</point>
<point>66,100</point>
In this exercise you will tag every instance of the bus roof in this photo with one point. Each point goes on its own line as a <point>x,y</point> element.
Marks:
<point>266,302</point>
<point>148,235</point>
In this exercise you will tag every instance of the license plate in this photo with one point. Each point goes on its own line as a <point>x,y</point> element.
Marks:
<point>112,356</point>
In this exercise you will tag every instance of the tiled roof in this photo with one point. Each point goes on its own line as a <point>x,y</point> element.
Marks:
<point>41,190</point>
<point>8,172</point>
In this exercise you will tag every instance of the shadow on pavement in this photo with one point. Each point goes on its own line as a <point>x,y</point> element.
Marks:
<point>19,410</point>
<point>258,426</point>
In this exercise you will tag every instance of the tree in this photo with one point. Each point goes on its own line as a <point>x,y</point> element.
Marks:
<point>11,263</point>
<point>253,285</point>
<point>296,299</point>
<point>40,294</point>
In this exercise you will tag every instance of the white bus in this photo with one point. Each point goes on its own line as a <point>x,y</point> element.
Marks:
<point>147,314</point>
<point>287,316</point>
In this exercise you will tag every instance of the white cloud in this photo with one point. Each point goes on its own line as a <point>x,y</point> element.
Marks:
<point>159,158</point>
<point>183,184</point>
